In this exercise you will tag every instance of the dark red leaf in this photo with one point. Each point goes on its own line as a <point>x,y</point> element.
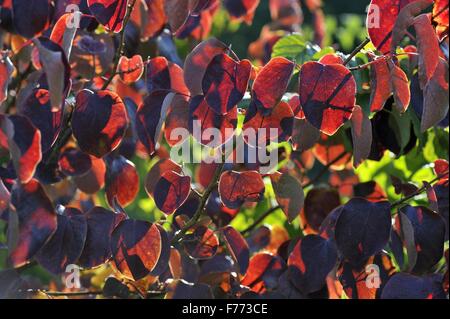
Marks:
<point>238,248</point>
<point>73,162</point>
<point>202,243</point>
<point>171,191</point>
<point>429,234</point>
<point>35,219</point>
<point>198,60</point>
<point>406,286</point>
<point>99,122</point>
<point>310,262</point>
<point>66,245</point>
<point>92,181</point>
<point>235,188</point>
<point>24,142</point>
<point>150,118</point>
<point>260,128</point>
<point>157,171</point>
<point>289,194</point>
<point>6,71</point>
<point>31,17</point>
<point>241,9</point>
<point>319,203</point>
<point>110,13</point>
<point>137,247</point>
<point>379,83</point>
<point>263,272</point>
<point>362,229</point>
<point>361,136</point>
<point>203,122</point>
<point>327,95</point>
<point>177,120</point>
<point>100,225</point>
<point>225,82</point>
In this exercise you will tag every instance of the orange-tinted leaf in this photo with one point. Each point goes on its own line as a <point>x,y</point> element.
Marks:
<point>379,83</point>
<point>121,181</point>
<point>241,9</point>
<point>399,86</point>
<point>73,162</point>
<point>271,83</point>
<point>157,171</point>
<point>130,70</point>
<point>92,181</point>
<point>203,122</point>
<point>202,243</point>
<point>137,247</point>
<point>235,188</point>
<point>327,95</point>
<point>277,124</point>
<point>165,75</point>
<point>24,142</point>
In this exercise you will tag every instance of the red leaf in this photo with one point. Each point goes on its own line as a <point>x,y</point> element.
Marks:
<point>238,248</point>
<point>171,191</point>
<point>235,188</point>
<point>110,13</point>
<point>121,181</point>
<point>92,181</point>
<point>428,48</point>
<point>440,15</point>
<point>24,142</point>
<point>66,245</point>
<point>157,171</point>
<point>137,247</point>
<point>381,18</point>
<point>198,60</point>
<point>379,83</point>
<point>327,95</point>
<point>361,136</point>
<point>99,122</point>
<point>202,243</point>
<point>35,219</point>
<point>130,70</point>
<point>202,120</point>
<point>73,162</point>
<point>399,86</point>
<point>331,58</point>
<point>150,118</point>
<point>165,75</point>
<point>225,83</point>
<point>178,118</point>
<point>271,83</point>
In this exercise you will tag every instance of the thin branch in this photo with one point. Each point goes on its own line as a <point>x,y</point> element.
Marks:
<point>120,49</point>
<point>180,234</point>
<point>417,192</point>
<point>65,294</point>
<point>356,51</point>
<point>260,220</point>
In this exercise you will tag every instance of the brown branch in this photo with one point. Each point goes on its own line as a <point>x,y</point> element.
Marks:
<point>356,51</point>
<point>120,49</point>
<point>260,220</point>
<point>417,192</point>
<point>180,234</point>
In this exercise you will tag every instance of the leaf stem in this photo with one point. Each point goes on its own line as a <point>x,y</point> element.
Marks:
<point>260,220</point>
<point>120,49</point>
<point>357,50</point>
<point>180,234</point>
